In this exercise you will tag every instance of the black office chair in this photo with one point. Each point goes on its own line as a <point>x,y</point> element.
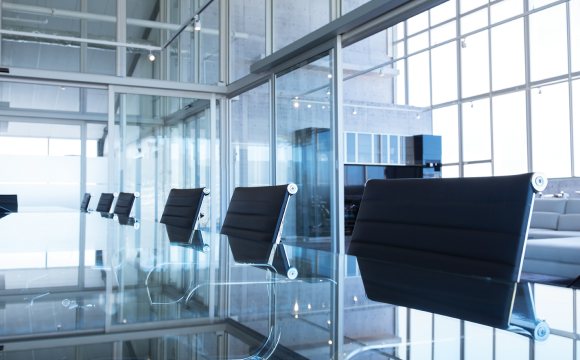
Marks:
<point>8,203</point>
<point>105,203</point>
<point>183,207</point>
<point>254,224</point>
<point>466,226</point>
<point>125,203</point>
<point>85,202</point>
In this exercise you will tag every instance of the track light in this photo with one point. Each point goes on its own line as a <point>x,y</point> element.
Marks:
<point>309,106</point>
<point>330,76</point>
<point>463,43</point>
<point>296,104</point>
<point>354,111</point>
<point>540,91</point>
<point>151,56</point>
<point>381,72</point>
<point>327,91</point>
<point>197,23</point>
<point>418,116</point>
<point>62,88</point>
<point>472,105</point>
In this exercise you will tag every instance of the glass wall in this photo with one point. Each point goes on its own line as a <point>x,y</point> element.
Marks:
<point>465,78</point>
<point>303,148</point>
<point>247,36</point>
<point>250,139</point>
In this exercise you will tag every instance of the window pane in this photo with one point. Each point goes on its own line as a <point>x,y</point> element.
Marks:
<point>576,112</point>
<point>474,21</point>
<point>40,97</point>
<point>478,342</point>
<point>444,73</point>
<point>510,346</point>
<point>399,83</point>
<point>418,42</point>
<point>443,33</point>
<point>534,4</point>
<point>507,55</point>
<point>209,45</point>
<point>251,138</point>
<point>476,131</point>
<point>422,334</point>
<point>367,53</point>
<point>247,35</point>
<point>365,154</point>
<point>295,19</point>
<point>450,171</point>
<point>350,147</point>
<point>446,336</point>
<point>555,304</point>
<point>394,146</point>
<point>551,131</point>
<point>548,43</point>
<point>555,347</point>
<point>350,5</point>
<point>418,23</point>
<point>446,125</point>
<point>443,12</point>
<point>510,149</point>
<point>506,9</point>
<point>377,149</point>
<point>467,5</point>
<point>477,170</point>
<point>419,92</point>
<point>475,65</point>
<point>575,33</point>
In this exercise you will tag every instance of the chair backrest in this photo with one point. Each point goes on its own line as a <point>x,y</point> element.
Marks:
<point>257,213</point>
<point>468,226</point>
<point>105,203</point>
<point>183,207</point>
<point>9,203</point>
<point>85,202</point>
<point>124,204</point>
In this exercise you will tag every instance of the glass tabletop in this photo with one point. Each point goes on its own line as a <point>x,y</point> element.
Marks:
<point>95,286</point>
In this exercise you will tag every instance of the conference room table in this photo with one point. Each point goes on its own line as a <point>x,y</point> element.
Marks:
<point>91,286</point>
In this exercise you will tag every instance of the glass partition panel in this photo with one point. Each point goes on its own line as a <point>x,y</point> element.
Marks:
<point>247,36</point>
<point>41,163</point>
<point>510,143</point>
<point>97,151</point>
<point>548,43</point>
<point>298,18</point>
<point>303,148</point>
<point>575,34</point>
<point>250,129</point>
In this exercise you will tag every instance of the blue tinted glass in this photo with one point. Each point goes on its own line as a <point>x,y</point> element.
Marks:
<point>385,149</point>
<point>377,150</point>
<point>375,172</point>
<point>350,147</point>
<point>354,175</point>
<point>365,150</point>
<point>394,149</point>
<point>350,266</point>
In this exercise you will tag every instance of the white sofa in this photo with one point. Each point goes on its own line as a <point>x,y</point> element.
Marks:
<point>556,257</point>
<point>555,218</point>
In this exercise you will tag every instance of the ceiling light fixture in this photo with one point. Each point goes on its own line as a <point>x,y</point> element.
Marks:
<point>354,111</point>
<point>463,43</point>
<point>62,88</point>
<point>330,76</point>
<point>328,91</point>
<point>381,72</point>
<point>296,104</point>
<point>309,106</point>
<point>151,56</point>
<point>540,91</point>
<point>418,116</point>
<point>472,105</point>
<point>197,23</point>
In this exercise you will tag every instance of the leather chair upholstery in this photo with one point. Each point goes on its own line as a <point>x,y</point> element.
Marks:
<point>124,204</point>
<point>85,202</point>
<point>256,213</point>
<point>105,203</point>
<point>467,226</point>
<point>9,203</point>
<point>183,207</point>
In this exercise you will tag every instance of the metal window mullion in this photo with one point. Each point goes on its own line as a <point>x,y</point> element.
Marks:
<point>84,35</point>
<point>406,65</point>
<point>528,90</point>
<point>223,41</point>
<point>269,27</point>
<point>490,92</point>
<point>214,164</point>
<point>459,94</point>
<point>430,67</point>
<point>121,62</point>
<point>272,129</point>
<point>570,95</point>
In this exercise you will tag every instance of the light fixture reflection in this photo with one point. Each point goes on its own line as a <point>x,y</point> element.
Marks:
<point>151,56</point>
<point>296,104</point>
<point>355,298</point>
<point>309,307</point>
<point>381,72</point>
<point>418,116</point>
<point>197,24</point>
<point>330,76</point>
<point>296,308</point>
<point>309,106</point>
<point>354,111</point>
<point>327,91</point>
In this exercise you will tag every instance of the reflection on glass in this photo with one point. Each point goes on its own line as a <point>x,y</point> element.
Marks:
<point>209,45</point>
<point>247,35</point>
<point>551,144</point>
<point>548,43</point>
<point>295,19</point>
<point>303,147</point>
<point>394,149</point>
<point>251,138</point>
<point>510,143</point>
<point>365,154</point>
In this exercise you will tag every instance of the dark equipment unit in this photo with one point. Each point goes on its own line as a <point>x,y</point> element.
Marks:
<point>8,203</point>
<point>425,151</point>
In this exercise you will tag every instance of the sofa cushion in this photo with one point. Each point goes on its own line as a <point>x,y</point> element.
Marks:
<point>535,234</point>
<point>554,205</point>
<point>544,220</point>
<point>573,206</point>
<point>569,222</point>
<point>562,250</point>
